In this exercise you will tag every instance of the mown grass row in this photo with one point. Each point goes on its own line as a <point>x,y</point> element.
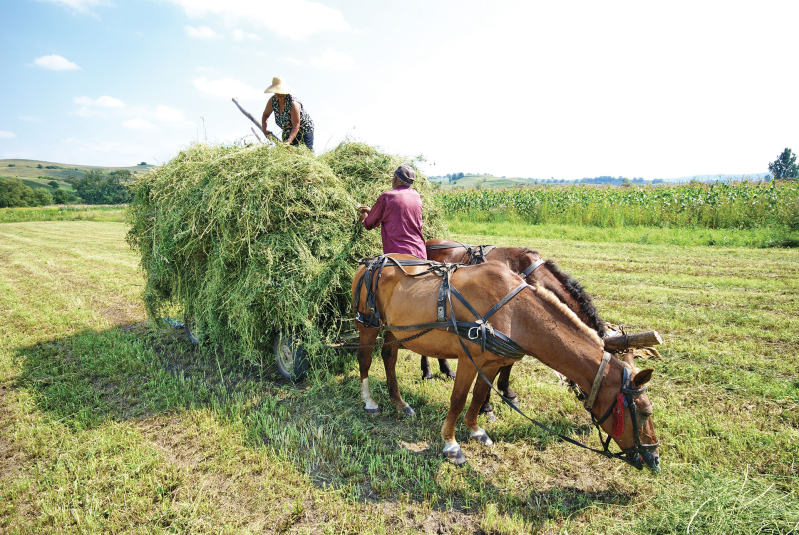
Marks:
<point>742,205</point>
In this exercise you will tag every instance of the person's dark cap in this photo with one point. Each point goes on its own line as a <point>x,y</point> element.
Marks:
<point>405,174</point>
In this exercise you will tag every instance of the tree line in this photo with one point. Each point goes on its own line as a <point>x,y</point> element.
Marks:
<point>94,187</point>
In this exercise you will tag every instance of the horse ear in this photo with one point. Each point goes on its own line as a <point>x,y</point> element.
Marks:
<point>642,377</point>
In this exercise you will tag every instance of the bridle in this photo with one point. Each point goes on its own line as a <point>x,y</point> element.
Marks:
<point>481,333</point>
<point>638,450</point>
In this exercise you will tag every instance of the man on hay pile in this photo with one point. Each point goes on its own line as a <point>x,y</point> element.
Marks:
<point>399,214</point>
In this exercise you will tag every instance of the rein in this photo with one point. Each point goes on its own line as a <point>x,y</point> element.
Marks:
<point>497,343</point>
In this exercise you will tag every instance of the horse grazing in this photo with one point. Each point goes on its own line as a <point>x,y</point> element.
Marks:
<point>403,296</point>
<point>533,269</point>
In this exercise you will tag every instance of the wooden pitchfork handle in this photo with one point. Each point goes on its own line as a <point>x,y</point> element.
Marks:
<point>269,135</point>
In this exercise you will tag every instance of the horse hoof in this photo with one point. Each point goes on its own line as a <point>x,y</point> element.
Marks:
<point>374,411</point>
<point>427,376</point>
<point>407,412</point>
<point>486,408</point>
<point>508,393</point>
<point>482,437</point>
<point>490,416</point>
<point>455,456</point>
<point>450,375</point>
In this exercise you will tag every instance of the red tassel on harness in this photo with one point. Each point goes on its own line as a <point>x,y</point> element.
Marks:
<point>618,416</point>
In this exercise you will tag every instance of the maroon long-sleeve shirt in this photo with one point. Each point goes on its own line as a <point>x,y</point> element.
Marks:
<point>399,212</point>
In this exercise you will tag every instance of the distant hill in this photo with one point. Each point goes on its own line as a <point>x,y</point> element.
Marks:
<point>487,181</point>
<point>37,173</point>
<point>467,180</point>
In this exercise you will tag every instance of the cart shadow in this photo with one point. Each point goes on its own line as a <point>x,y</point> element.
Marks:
<point>137,372</point>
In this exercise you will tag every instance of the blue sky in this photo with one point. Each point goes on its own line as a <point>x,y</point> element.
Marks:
<point>540,89</point>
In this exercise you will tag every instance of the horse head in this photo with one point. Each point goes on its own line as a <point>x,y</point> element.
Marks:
<point>623,410</point>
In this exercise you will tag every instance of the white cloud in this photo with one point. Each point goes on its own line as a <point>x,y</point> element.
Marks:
<point>201,32</point>
<point>54,62</point>
<point>296,19</point>
<point>333,60</point>
<point>291,61</point>
<point>241,35</point>
<point>226,87</point>
<point>5,134</point>
<point>101,102</point>
<point>91,107</point>
<point>83,150</point>
<point>137,123</point>
<point>135,117</point>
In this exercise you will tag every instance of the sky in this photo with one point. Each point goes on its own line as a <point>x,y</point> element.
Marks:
<point>545,89</point>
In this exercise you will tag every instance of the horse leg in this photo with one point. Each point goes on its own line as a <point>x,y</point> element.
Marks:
<point>389,352</point>
<point>480,393</point>
<point>426,369</point>
<point>443,365</point>
<point>366,340</point>
<point>502,382</point>
<point>463,380</point>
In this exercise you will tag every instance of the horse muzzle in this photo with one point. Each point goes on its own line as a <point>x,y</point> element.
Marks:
<point>640,457</point>
<point>651,459</point>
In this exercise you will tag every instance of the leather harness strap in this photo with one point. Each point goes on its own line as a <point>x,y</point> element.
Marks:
<point>589,403</point>
<point>532,267</point>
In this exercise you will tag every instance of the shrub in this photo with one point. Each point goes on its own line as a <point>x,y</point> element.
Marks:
<point>97,188</point>
<point>14,193</point>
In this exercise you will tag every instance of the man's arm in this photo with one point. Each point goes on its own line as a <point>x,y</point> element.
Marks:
<point>375,214</point>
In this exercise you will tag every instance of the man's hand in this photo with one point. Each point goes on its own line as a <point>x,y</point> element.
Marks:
<point>363,212</point>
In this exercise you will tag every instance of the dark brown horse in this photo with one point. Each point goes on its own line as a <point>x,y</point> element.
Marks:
<point>534,318</point>
<point>523,261</point>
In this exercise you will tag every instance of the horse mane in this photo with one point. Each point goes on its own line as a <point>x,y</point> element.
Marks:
<point>580,295</point>
<point>549,296</point>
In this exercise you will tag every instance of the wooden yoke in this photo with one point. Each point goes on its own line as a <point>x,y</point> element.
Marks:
<point>620,342</point>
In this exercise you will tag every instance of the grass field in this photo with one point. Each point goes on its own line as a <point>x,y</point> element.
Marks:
<point>110,424</point>
<point>40,171</point>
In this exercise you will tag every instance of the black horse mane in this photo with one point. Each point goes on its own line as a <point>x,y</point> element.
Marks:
<point>580,295</point>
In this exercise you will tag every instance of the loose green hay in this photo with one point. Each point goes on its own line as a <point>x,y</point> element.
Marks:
<point>252,242</point>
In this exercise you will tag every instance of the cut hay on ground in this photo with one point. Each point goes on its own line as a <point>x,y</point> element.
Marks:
<point>252,242</point>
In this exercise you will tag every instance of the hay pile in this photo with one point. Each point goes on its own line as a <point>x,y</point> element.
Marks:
<point>251,242</point>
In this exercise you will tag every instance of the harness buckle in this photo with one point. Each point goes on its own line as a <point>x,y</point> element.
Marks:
<point>474,332</point>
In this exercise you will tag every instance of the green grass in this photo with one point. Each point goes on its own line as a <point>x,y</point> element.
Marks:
<point>109,424</point>
<point>70,212</point>
<point>754,238</point>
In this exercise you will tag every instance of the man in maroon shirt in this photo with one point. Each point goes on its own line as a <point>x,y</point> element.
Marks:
<point>399,213</point>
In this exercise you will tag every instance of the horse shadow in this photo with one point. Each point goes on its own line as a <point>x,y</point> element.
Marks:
<point>136,372</point>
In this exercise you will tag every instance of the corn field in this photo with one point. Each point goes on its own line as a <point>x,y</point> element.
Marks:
<point>716,205</point>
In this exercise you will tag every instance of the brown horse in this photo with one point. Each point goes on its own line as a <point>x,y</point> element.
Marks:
<point>523,261</point>
<point>534,318</point>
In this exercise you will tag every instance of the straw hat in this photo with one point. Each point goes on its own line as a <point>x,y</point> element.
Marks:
<point>278,87</point>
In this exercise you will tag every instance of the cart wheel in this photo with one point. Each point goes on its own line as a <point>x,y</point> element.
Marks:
<point>190,328</point>
<point>291,359</point>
